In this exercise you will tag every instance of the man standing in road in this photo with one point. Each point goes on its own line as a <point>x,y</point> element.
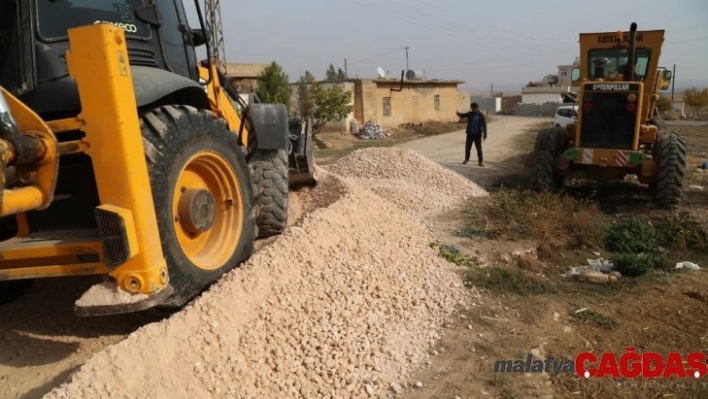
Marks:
<point>476,132</point>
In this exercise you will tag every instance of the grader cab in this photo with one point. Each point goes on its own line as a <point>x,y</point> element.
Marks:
<point>618,131</point>
<point>122,155</point>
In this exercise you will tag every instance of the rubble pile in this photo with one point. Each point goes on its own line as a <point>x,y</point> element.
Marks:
<point>372,131</point>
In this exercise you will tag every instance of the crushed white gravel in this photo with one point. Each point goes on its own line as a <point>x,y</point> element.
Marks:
<point>344,304</point>
<point>408,179</point>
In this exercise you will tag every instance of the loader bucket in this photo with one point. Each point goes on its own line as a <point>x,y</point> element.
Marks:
<point>106,298</point>
<point>302,162</point>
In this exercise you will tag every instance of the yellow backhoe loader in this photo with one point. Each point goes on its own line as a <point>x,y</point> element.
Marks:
<point>123,155</point>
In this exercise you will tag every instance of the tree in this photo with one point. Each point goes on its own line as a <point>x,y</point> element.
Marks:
<point>330,105</point>
<point>323,105</point>
<point>273,86</point>
<point>340,74</point>
<point>304,99</point>
<point>664,104</point>
<point>696,99</point>
<point>331,74</point>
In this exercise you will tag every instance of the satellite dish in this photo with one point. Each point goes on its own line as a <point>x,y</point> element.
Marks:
<point>550,79</point>
<point>381,72</point>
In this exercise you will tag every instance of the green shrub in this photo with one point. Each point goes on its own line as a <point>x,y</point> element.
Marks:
<point>633,265</point>
<point>452,254</point>
<point>473,232</point>
<point>632,236</point>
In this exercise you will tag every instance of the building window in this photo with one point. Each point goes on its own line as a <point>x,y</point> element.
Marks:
<point>387,106</point>
<point>563,72</point>
<point>437,102</point>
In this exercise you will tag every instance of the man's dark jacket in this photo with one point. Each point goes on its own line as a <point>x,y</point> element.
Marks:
<point>476,123</point>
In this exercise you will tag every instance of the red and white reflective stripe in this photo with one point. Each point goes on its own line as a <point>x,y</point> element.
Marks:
<point>621,158</point>
<point>587,155</point>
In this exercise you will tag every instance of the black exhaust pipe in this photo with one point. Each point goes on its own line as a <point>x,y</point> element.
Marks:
<point>631,52</point>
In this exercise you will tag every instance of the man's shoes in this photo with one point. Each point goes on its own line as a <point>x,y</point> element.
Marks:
<point>464,162</point>
<point>481,164</point>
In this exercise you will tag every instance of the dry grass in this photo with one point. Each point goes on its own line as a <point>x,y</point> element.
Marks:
<point>432,128</point>
<point>509,280</point>
<point>554,219</point>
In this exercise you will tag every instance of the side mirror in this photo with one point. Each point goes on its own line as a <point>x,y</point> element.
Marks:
<point>575,76</point>
<point>665,79</point>
<point>198,36</point>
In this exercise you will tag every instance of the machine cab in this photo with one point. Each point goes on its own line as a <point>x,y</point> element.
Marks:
<point>33,43</point>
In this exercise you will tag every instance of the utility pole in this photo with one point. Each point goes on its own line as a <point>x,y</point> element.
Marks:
<point>407,57</point>
<point>346,74</point>
<point>673,81</point>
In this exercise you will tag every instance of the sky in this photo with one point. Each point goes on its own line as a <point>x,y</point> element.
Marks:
<point>501,42</point>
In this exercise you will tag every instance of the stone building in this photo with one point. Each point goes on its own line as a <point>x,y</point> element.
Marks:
<point>243,76</point>
<point>390,103</point>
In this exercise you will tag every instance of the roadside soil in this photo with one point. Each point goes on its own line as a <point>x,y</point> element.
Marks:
<point>527,307</point>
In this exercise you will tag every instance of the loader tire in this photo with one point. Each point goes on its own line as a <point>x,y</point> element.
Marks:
<point>549,144</point>
<point>201,187</point>
<point>670,156</point>
<point>269,169</point>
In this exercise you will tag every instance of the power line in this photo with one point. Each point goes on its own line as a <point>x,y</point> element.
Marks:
<point>495,28</point>
<point>377,56</point>
<point>425,22</point>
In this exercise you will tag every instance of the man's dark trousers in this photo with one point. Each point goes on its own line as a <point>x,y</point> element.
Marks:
<point>477,140</point>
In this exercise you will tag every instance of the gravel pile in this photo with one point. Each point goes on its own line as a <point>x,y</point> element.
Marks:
<point>342,305</point>
<point>372,131</point>
<point>410,180</point>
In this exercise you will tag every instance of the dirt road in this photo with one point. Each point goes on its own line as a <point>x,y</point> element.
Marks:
<point>502,152</point>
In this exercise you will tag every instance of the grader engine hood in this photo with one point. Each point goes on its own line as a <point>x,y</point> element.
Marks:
<point>609,116</point>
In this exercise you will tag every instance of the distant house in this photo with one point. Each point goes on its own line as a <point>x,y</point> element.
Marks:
<point>564,72</point>
<point>243,76</point>
<point>678,108</point>
<point>488,104</point>
<point>391,104</point>
<point>544,94</point>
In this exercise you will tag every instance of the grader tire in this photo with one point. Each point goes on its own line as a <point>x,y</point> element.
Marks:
<point>670,154</point>
<point>549,144</point>
<point>269,170</point>
<point>202,194</point>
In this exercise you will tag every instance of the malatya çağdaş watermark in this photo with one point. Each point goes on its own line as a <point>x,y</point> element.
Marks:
<point>627,365</point>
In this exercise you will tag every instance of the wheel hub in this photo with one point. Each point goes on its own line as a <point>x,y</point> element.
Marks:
<point>196,210</point>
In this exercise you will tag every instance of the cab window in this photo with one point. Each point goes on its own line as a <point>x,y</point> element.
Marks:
<point>58,16</point>
<point>602,62</point>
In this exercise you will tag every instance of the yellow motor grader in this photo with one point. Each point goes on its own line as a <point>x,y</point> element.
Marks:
<point>123,155</point>
<point>618,130</point>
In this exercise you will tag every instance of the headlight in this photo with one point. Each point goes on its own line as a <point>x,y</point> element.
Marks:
<point>631,97</point>
<point>612,75</point>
